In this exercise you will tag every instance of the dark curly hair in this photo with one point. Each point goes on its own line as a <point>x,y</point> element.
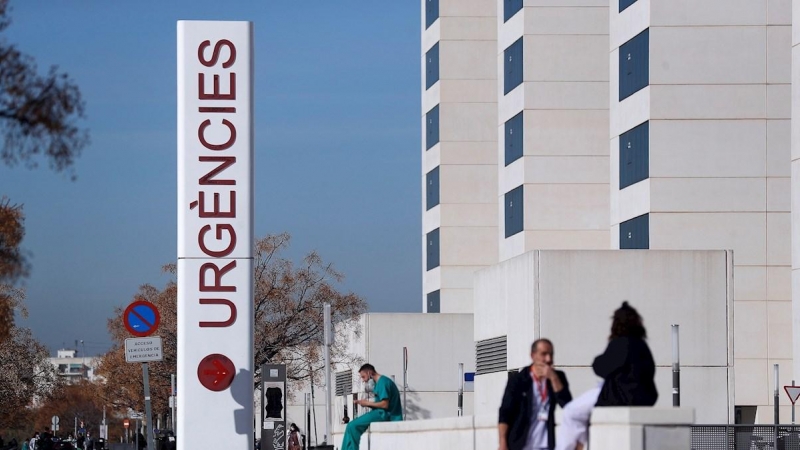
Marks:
<point>627,323</point>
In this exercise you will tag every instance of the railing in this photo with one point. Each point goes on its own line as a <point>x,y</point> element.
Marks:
<point>745,437</point>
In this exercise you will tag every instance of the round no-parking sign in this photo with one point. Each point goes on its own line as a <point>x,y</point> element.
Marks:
<point>141,318</point>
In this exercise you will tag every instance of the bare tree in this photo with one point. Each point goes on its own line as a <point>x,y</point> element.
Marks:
<point>289,308</point>
<point>287,303</point>
<point>27,375</point>
<point>38,120</point>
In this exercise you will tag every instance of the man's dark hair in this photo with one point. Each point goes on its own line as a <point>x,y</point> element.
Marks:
<point>366,367</point>
<point>536,344</point>
<point>627,323</point>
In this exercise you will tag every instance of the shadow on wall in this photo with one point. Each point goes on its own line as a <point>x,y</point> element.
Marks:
<point>413,409</point>
<point>241,396</point>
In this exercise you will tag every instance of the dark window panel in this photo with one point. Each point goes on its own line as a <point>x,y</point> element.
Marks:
<point>634,65</point>
<point>514,211</point>
<point>431,12</point>
<point>434,299</point>
<point>513,138</point>
<point>432,66</point>
<point>432,249</point>
<point>635,233</point>
<point>623,4</point>
<point>634,155</point>
<point>512,66</point>
<point>432,188</point>
<point>432,127</point>
<point>510,8</point>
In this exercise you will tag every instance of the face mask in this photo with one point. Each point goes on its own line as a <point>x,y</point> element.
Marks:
<point>370,385</point>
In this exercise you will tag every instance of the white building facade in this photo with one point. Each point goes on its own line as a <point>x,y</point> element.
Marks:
<point>459,141</point>
<point>552,154</point>
<point>73,368</point>
<point>623,124</point>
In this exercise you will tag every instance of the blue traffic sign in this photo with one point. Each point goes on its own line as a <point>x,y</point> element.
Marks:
<point>141,318</point>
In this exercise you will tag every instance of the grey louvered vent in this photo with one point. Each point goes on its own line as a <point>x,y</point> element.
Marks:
<point>491,355</point>
<point>344,383</point>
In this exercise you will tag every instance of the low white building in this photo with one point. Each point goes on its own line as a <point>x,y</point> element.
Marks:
<point>436,344</point>
<point>74,368</point>
<point>569,297</point>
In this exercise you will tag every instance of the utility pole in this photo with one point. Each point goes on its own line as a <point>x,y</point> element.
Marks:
<point>676,366</point>
<point>328,415</point>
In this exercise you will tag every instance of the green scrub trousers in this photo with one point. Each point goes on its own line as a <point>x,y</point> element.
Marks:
<point>385,389</point>
<point>357,427</point>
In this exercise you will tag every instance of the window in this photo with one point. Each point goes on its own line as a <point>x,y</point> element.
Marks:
<point>635,233</point>
<point>433,302</point>
<point>432,127</point>
<point>432,246</point>
<point>634,155</point>
<point>511,7</point>
<point>432,189</point>
<point>432,66</point>
<point>634,65</point>
<point>623,4</point>
<point>513,66</point>
<point>431,12</point>
<point>514,211</point>
<point>513,138</point>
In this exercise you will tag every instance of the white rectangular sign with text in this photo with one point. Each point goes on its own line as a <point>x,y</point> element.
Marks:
<point>215,235</point>
<point>144,349</point>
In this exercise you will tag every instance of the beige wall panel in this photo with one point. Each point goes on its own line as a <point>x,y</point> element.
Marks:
<point>749,282</point>
<point>565,132</point>
<point>708,102</point>
<point>744,233</point>
<point>566,169</point>
<point>566,20</point>
<point>708,194</point>
<point>566,207</point>
<point>565,58</point>
<point>750,329</point>
<point>709,148</point>
<point>707,55</point>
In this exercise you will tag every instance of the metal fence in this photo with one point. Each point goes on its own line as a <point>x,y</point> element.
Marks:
<point>746,437</point>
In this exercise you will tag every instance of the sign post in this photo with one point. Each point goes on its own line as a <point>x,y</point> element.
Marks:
<point>273,413</point>
<point>215,235</point>
<point>54,422</point>
<point>793,392</point>
<point>141,319</point>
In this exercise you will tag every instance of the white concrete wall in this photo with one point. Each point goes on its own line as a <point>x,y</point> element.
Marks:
<point>719,174</point>
<point>569,297</point>
<point>466,94</point>
<point>612,429</point>
<point>564,100</point>
<point>795,186</point>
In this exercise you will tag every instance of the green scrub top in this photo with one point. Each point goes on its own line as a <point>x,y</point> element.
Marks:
<point>385,389</point>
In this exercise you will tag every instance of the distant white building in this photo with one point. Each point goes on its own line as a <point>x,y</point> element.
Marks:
<point>74,368</point>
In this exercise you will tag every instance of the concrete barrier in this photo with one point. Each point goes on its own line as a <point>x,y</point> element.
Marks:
<point>641,428</point>
<point>637,428</point>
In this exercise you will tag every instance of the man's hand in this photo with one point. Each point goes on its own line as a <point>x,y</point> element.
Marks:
<point>549,372</point>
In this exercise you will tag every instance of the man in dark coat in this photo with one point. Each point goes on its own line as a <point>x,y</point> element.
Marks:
<point>527,412</point>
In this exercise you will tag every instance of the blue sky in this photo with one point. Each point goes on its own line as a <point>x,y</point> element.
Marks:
<point>337,139</point>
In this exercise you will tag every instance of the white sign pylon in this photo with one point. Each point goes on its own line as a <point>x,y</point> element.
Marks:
<point>793,392</point>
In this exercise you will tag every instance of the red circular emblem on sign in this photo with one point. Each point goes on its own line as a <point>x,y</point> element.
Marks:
<point>216,372</point>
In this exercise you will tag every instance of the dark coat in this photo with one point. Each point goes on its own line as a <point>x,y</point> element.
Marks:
<point>515,410</point>
<point>628,369</point>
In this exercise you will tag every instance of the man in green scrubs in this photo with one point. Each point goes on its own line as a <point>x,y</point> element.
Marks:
<point>385,407</point>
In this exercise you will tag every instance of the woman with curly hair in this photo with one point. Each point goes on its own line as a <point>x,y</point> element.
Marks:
<point>628,372</point>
